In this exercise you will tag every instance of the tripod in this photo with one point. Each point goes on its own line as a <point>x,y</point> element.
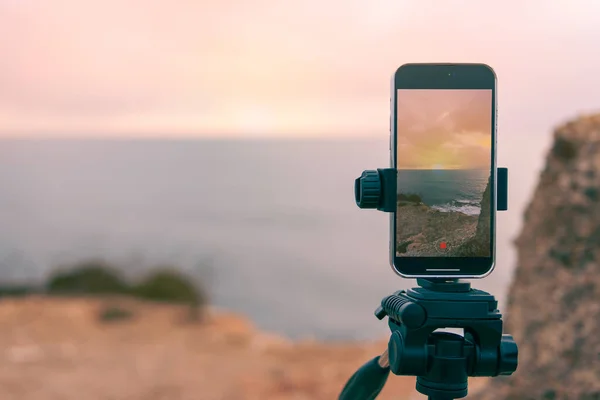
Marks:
<point>441,361</point>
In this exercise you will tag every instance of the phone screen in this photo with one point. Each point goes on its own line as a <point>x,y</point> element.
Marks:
<point>445,160</point>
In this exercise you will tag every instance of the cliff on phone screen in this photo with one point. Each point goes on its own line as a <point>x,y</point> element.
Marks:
<point>444,164</point>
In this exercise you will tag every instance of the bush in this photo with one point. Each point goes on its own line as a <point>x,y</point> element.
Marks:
<point>17,291</point>
<point>89,277</point>
<point>167,285</point>
<point>114,314</point>
<point>409,197</point>
<point>97,278</point>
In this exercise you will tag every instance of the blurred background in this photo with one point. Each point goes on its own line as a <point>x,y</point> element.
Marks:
<point>220,141</point>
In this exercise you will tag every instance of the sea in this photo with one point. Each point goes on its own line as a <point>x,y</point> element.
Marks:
<point>446,190</point>
<point>269,227</point>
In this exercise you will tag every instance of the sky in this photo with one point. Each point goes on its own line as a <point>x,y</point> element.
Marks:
<point>238,68</point>
<point>444,129</point>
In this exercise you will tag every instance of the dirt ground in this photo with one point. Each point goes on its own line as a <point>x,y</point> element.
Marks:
<point>420,229</point>
<point>59,349</point>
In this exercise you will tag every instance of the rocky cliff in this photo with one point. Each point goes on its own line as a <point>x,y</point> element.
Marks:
<point>482,234</point>
<point>554,301</point>
<point>479,244</point>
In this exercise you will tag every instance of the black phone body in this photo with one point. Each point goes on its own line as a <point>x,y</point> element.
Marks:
<point>443,145</point>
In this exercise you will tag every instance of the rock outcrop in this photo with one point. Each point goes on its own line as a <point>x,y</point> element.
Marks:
<point>482,234</point>
<point>479,244</point>
<point>554,300</point>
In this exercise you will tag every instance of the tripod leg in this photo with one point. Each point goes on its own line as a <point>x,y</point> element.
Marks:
<point>368,381</point>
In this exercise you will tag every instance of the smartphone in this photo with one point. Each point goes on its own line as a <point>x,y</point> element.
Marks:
<point>443,146</point>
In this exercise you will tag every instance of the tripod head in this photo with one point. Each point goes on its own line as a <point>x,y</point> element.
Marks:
<point>441,361</point>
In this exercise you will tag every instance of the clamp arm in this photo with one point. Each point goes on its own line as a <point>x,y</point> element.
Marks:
<point>377,189</point>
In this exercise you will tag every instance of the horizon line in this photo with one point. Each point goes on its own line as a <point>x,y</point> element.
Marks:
<point>70,133</point>
<point>190,138</point>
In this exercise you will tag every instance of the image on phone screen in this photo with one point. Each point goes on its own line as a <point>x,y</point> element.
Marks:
<point>444,163</point>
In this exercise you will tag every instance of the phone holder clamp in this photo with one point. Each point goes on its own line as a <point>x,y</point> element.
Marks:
<point>376,189</point>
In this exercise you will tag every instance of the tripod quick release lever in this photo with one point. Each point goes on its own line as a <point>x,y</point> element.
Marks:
<point>403,310</point>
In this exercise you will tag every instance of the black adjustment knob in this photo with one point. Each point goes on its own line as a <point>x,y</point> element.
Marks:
<point>509,356</point>
<point>396,352</point>
<point>367,190</point>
